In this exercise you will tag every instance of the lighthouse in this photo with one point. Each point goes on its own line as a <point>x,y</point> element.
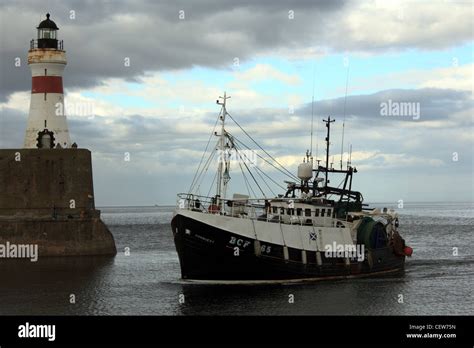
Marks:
<point>47,191</point>
<point>47,123</point>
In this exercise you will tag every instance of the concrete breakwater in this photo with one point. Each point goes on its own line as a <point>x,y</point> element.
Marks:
<point>47,198</point>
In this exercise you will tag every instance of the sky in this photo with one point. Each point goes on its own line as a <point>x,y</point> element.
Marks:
<point>143,77</point>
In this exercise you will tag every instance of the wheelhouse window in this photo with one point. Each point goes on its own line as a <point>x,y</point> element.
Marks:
<point>329,212</point>
<point>316,212</point>
<point>282,211</point>
<point>275,210</point>
<point>299,211</point>
<point>307,212</point>
<point>323,211</point>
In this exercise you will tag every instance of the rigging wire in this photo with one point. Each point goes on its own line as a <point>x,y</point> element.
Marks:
<point>266,184</point>
<point>202,170</point>
<point>212,184</point>
<point>272,180</point>
<point>202,157</point>
<point>258,145</point>
<point>255,180</point>
<point>344,119</point>
<point>292,176</point>
<point>205,169</point>
<point>257,168</point>
<point>247,183</point>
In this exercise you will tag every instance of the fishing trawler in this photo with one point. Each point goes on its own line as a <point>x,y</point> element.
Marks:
<point>310,231</point>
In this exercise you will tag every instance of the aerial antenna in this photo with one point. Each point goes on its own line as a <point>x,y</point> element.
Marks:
<point>328,126</point>
<point>344,118</point>
<point>349,161</point>
<point>312,109</point>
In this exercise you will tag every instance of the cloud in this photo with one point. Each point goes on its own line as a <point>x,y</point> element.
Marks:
<point>262,72</point>
<point>435,105</point>
<point>161,109</point>
<point>165,151</point>
<point>283,133</point>
<point>154,38</point>
<point>455,77</point>
<point>393,25</point>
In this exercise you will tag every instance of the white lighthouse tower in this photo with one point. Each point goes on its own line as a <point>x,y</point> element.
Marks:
<point>47,123</point>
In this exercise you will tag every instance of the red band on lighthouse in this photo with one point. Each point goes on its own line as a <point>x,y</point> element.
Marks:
<point>47,84</point>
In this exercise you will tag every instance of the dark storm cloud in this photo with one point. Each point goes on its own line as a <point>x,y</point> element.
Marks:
<point>435,104</point>
<point>150,33</point>
<point>365,125</point>
<point>212,34</point>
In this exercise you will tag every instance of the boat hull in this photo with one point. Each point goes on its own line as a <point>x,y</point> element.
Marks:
<point>210,253</point>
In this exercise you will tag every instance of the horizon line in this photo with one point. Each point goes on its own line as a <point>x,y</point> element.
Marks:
<point>172,205</point>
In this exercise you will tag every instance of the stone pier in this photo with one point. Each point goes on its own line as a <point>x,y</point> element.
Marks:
<point>47,198</point>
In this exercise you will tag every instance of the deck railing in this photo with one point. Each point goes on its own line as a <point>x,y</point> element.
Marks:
<point>50,43</point>
<point>251,208</point>
<point>257,209</point>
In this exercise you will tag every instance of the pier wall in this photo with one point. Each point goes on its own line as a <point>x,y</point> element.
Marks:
<point>47,198</point>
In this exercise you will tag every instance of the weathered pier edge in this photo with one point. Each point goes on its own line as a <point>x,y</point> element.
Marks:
<point>47,198</point>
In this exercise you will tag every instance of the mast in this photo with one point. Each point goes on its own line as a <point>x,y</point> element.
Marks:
<point>223,161</point>
<point>328,126</point>
<point>312,113</point>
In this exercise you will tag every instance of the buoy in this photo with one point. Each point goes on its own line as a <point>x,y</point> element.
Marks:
<point>408,251</point>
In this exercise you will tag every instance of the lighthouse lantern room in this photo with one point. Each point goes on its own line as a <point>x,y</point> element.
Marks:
<point>47,60</point>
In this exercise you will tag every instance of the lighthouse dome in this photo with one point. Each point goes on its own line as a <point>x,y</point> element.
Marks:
<point>47,24</point>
